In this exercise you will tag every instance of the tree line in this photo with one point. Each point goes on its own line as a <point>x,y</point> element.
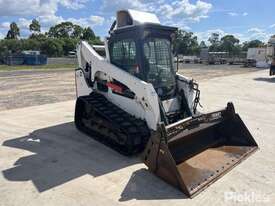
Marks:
<point>62,38</point>
<point>186,43</point>
<point>58,41</point>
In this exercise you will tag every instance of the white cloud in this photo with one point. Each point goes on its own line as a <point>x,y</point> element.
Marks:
<point>2,36</point>
<point>237,14</point>
<point>240,36</point>
<point>27,7</point>
<point>84,22</point>
<point>260,36</point>
<point>96,20</point>
<point>257,33</point>
<point>185,9</point>
<point>24,23</point>
<point>36,7</point>
<point>255,30</point>
<point>45,11</point>
<point>272,26</point>
<point>233,14</point>
<point>73,4</point>
<point>50,20</point>
<point>179,13</point>
<point>5,25</point>
<point>179,9</point>
<point>142,5</point>
<point>92,21</point>
<point>181,24</point>
<point>204,36</point>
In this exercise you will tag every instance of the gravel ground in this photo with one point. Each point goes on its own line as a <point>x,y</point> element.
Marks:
<point>29,88</point>
<point>201,72</point>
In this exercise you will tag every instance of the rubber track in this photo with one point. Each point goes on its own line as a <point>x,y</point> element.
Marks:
<point>97,109</point>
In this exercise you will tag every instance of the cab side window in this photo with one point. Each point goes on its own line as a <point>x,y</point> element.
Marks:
<point>123,55</point>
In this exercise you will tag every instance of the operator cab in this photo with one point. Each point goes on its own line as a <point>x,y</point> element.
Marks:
<point>142,47</point>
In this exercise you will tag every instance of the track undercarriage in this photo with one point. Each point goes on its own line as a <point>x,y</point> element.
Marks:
<point>109,124</point>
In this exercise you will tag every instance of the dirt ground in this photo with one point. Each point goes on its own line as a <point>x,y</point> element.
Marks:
<point>29,88</point>
<point>201,72</point>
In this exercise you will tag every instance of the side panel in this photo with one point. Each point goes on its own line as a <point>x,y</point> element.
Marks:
<point>145,104</point>
<point>132,106</point>
<point>171,105</point>
<point>186,85</point>
<point>81,86</point>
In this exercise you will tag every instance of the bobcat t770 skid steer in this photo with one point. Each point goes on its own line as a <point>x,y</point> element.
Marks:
<point>134,101</point>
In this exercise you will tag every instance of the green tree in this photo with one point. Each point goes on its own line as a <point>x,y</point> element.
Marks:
<point>35,26</point>
<point>52,47</point>
<point>38,37</point>
<point>14,31</point>
<point>186,43</point>
<point>230,44</point>
<point>65,30</point>
<point>30,44</point>
<point>252,44</point>
<point>96,41</point>
<point>3,49</point>
<point>214,40</point>
<point>11,45</point>
<point>60,40</point>
<point>88,34</point>
<point>69,45</point>
<point>77,32</point>
<point>203,45</point>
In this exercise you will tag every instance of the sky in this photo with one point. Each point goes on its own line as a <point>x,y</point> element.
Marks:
<point>246,19</point>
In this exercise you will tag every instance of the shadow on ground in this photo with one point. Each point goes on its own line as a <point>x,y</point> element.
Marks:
<point>265,79</point>
<point>146,186</point>
<point>61,154</point>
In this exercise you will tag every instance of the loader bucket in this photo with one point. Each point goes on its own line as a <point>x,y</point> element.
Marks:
<point>193,153</point>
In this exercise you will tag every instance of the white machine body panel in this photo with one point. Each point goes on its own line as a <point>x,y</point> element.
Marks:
<point>144,105</point>
<point>140,17</point>
<point>186,84</point>
<point>82,88</point>
<point>130,17</point>
<point>171,105</point>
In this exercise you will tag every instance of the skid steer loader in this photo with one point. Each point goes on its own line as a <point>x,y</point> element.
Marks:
<point>134,101</point>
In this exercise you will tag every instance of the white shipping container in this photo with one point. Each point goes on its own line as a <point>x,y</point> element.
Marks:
<point>258,54</point>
